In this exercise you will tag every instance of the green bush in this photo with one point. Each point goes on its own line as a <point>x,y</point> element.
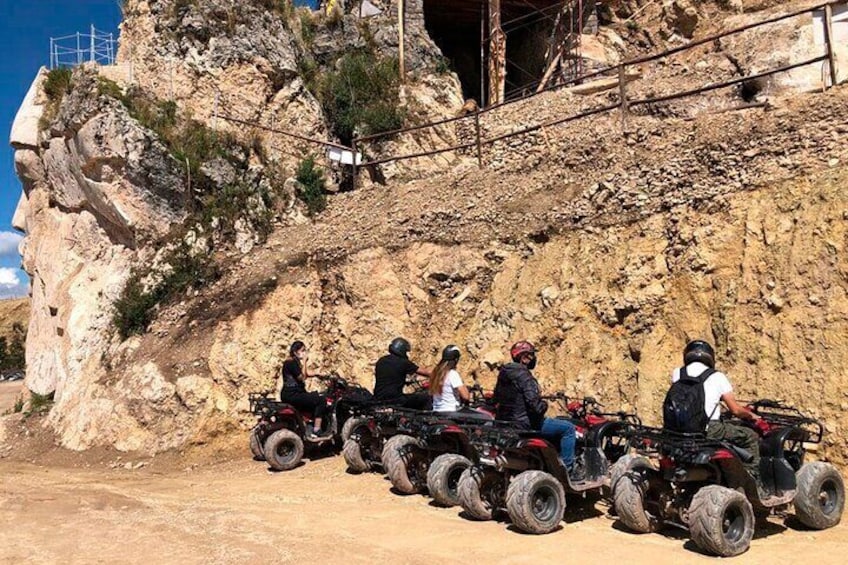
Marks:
<point>57,84</point>
<point>133,311</point>
<point>106,87</point>
<point>234,201</point>
<point>362,96</point>
<point>39,403</point>
<point>307,27</point>
<point>443,66</point>
<point>13,351</point>
<point>19,405</point>
<point>312,186</point>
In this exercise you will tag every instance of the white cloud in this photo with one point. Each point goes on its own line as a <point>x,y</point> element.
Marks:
<point>9,241</point>
<point>11,285</point>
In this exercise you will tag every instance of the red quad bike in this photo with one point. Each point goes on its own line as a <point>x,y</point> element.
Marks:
<point>431,451</point>
<point>368,430</point>
<point>280,433</point>
<point>701,484</point>
<point>521,472</point>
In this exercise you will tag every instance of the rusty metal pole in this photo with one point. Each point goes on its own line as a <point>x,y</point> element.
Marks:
<point>622,95</point>
<point>479,140</point>
<point>828,39</point>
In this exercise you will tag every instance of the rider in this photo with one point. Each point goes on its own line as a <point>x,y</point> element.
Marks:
<point>698,356</point>
<point>390,374</point>
<point>294,375</point>
<point>445,383</point>
<point>518,399</point>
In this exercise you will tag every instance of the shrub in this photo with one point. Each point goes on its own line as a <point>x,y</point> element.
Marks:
<point>133,311</point>
<point>307,27</point>
<point>57,84</point>
<point>106,87</point>
<point>39,403</point>
<point>362,96</point>
<point>19,405</point>
<point>234,201</point>
<point>312,186</point>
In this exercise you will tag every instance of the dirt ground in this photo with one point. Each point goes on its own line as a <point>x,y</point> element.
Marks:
<point>91,508</point>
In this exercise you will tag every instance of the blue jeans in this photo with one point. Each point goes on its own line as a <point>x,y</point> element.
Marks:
<point>563,431</point>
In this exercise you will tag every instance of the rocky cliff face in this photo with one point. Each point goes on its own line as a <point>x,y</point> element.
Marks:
<point>607,251</point>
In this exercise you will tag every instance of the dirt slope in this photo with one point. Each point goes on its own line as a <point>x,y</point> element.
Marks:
<point>238,512</point>
<point>11,312</point>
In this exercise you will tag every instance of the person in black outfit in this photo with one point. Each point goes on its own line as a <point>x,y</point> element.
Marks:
<point>519,400</point>
<point>294,388</point>
<point>390,374</point>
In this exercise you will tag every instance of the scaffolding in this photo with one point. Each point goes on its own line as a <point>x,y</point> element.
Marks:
<point>72,50</point>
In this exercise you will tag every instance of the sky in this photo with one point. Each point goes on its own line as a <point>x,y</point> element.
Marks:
<point>26,27</point>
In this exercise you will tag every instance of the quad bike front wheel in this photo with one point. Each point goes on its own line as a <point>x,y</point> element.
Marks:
<point>256,445</point>
<point>352,452</point>
<point>350,425</point>
<point>820,496</point>
<point>535,501</point>
<point>721,521</point>
<point>476,492</point>
<point>443,478</point>
<point>283,450</point>
<point>401,465</point>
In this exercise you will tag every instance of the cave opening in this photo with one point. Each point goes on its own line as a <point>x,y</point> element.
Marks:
<point>460,28</point>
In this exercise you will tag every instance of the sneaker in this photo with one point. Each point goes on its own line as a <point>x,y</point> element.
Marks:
<point>310,434</point>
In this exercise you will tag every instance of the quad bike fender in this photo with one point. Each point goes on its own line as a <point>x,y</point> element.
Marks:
<point>542,456</point>
<point>452,437</point>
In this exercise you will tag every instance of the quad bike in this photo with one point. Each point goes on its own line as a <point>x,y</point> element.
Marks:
<point>280,433</point>
<point>702,485</point>
<point>521,472</point>
<point>367,431</point>
<point>431,451</point>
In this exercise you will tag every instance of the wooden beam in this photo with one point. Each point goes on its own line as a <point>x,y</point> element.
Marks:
<point>497,54</point>
<point>401,41</point>
<point>828,38</point>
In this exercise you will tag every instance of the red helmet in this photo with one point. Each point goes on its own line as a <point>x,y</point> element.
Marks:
<point>520,348</point>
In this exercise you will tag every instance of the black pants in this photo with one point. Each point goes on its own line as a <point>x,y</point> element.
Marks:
<point>307,401</point>
<point>417,401</point>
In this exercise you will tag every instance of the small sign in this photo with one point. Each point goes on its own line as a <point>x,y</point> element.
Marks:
<point>343,156</point>
<point>840,24</point>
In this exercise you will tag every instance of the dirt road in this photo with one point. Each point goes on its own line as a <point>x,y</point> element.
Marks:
<point>9,393</point>
<point>239,512</point>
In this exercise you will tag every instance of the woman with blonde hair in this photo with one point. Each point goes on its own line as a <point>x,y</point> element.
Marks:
<point>445,383</point>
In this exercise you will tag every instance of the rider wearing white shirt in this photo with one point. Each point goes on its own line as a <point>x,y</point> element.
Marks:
<point>445,383</point>
<point>698,356</point>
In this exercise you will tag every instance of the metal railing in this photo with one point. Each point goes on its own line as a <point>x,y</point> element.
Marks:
<point>623,105</point>
<point>72,50</point>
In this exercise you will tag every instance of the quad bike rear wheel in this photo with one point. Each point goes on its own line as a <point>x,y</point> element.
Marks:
<point>352,452</point>
<point>401,465</point>
<point>625,464</point>
<point>389,448</point>
<point>721,521</point>
<point>443,478</point>
<point>476,492</point>
<point>256,445</point>
<point>820,496</point>
<point>535,501</point>
<point>629,498</point>
<point>283,450</point>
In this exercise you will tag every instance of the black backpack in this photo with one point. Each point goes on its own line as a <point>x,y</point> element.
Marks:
<point>683,407</point>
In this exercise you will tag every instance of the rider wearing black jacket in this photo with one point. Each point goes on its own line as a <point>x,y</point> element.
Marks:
<point>518,400</point>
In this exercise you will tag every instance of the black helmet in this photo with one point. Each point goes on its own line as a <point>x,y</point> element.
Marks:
<point>700,351</point>
<point>400,347</point>
<point>295,347</point>
<point>450,353</point>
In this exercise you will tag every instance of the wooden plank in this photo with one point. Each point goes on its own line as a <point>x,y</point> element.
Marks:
<point>497,54</point>
<point>828,39</point>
